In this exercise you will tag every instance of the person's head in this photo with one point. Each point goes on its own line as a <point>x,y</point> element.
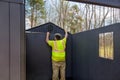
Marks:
<point>58,36</point>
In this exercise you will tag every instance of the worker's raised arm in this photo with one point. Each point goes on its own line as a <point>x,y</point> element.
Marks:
<point>47,36</point>
<point>66,34</point>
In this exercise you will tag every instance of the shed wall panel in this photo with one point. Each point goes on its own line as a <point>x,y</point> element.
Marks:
<point>4,41</point>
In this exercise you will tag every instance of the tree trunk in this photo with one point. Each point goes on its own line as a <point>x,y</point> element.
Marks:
<point>32,17</point>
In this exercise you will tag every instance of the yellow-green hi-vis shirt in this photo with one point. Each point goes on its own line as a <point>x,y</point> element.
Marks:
<point>58,49</point>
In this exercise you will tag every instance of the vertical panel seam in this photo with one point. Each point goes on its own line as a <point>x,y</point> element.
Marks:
<point>20,41</point>
<point>21,37</point>
<point>9,44</point>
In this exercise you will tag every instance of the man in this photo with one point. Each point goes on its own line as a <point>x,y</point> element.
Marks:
<point>58,55</point>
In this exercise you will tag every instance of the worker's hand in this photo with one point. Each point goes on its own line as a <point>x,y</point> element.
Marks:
<point>65,30</point>
<point>48,33</point>
<point>66,34</point>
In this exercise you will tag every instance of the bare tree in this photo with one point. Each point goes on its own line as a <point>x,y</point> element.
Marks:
<point>74,17</point>
<point>36,11</point>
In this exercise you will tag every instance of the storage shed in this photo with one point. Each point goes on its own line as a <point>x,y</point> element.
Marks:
<point>39,53</point>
